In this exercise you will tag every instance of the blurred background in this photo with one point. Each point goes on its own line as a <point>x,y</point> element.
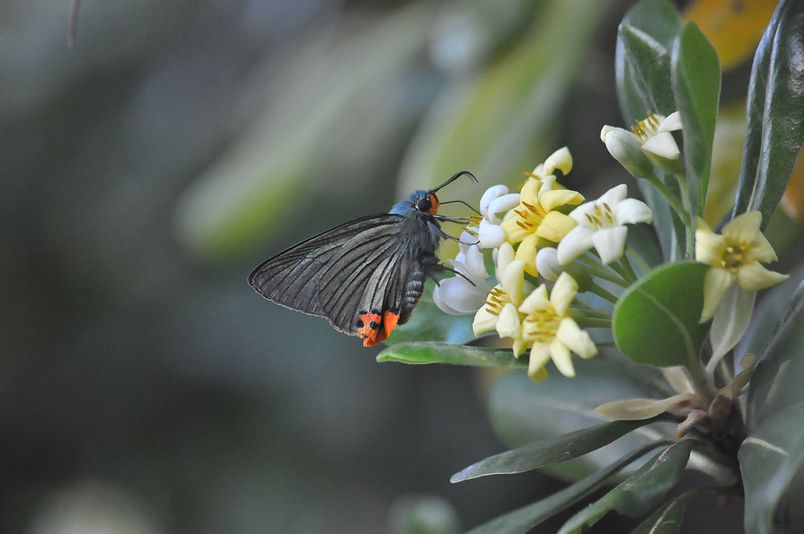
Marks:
<point>144,387</point>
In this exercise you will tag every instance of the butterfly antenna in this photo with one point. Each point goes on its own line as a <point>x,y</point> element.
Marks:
<point>453,178</point>
<point>462,202</point>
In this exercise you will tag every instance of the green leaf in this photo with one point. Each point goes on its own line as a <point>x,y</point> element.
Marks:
<point>539,454</point>
<point>522,412</point>
<point>422,514</point>
<point>667,519</point>
<point>425,352</point>
<point>696,88</point>
<point>655,320</point>
<point>642,69</point>
<point>776,383</point>
<point>524,519</point>
<point>769,459</point>
<point>775,127</point>
<point>639,492</point>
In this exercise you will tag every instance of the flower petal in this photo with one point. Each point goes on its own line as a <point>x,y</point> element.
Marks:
<point>539,356</point>
<point>563,293</point>
<point>501,204</point>
<point>709,246</point>
<point>626,148</point>
<point>505,255</point>
<point>555,226</point>
<point>753,277</point>
<point>663,145</point>
<point>613,196</point>
<point>490,194</point>
<point>490,235</point>
<point>671,123</point>
<point>547,263</point>
<point>632,211</point>
<point>508,321</point>
<point>610,243</point>
<point>442,305</point>
<point>556,198</point>
<point>578,340</point>
<point>513,280</point>
<point>562,358</point>
<point>744,228</point>
<point>513,232</point>
<point>575,243</point>
<point>762,250</point>
<point>526,253</point>
<point>561,159</point>
<point>536,301</point>
<point>459,296</point>
<point>475,264</point>
<point>484,322</point>
<point>716,282</point>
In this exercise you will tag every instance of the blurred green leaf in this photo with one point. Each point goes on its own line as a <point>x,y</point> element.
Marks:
<point>499,121</point>
<point>642,70</point>
<point>769,459</point>
<point>426,352</point>
<point>541,453</point>
<point>775,128</point>
<point>655,320</point>
<point>428,323</point>
<point>696,89</point>
<point>244,194</point>
<point>776,383</point>
<point>422,515</point>
<point>522,412</point>
<point>524,519</point>
<point>639,492</point>
<point>665,520</point>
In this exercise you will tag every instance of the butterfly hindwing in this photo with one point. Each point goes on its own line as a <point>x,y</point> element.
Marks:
<point>344,275</point>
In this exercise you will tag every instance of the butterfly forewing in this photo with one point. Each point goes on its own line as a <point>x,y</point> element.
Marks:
<point>340,274</point>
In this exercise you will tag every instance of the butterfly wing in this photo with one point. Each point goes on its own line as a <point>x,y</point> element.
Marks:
<point>351,275</point>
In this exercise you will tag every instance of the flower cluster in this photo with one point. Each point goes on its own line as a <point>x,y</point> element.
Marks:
<point>538,232</point>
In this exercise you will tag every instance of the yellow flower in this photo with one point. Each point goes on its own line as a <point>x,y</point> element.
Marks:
<point>500,309</point>
<point>550,331</point>
<point>735,256</point>
<point>536,218</point>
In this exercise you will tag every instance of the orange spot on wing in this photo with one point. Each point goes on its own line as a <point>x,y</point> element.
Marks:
<point>376,328</point>
<point>434,204</point>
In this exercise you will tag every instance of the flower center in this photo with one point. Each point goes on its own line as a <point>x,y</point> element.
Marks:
<point>602,217</point>
<point>733,257</point>
<point>496,300</point>
<point>646,128</point>
<point>529,216</point>
<point>541,326</point>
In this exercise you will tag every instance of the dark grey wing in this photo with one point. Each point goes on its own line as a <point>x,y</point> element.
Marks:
<point>322,275</point>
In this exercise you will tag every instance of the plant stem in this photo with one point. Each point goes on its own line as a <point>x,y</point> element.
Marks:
<point>689,218</point>
<point>602,272</point>
<point>600,292</point>
<point>637,258</point>
<point>592,322</point>
<point>629,269</point>
<point>668,196</point>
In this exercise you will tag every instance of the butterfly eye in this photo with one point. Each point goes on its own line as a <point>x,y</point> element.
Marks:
<point>423,204</point>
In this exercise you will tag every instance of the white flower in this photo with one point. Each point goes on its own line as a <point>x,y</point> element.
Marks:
<point>547,263</point>
<point>601,224</point>
<point>495,200</point>
<point>500,310</point>
<point>457,295</point>
<point>650,137</point>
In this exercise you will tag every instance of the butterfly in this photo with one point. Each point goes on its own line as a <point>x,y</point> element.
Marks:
<point>364,276</point>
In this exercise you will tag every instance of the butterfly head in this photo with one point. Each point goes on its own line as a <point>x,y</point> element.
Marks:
<point>422,201</point>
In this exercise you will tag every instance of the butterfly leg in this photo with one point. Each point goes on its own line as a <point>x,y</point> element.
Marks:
<point>434,266</point>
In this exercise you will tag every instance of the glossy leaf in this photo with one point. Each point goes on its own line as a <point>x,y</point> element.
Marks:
<point>769,459</point>
<point>776,383</point>
<point>666,519</point>
<point>696,89</point>
<point>734,28</point>
<point>524,519</point>
<point>426,352</point>
<point>639,492</point>
<point>522,413</point>
<point>536,455</point>
<point>655,321</point>
<point>775,127</point>
<point>642,70</point>
<point>638,409</point>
